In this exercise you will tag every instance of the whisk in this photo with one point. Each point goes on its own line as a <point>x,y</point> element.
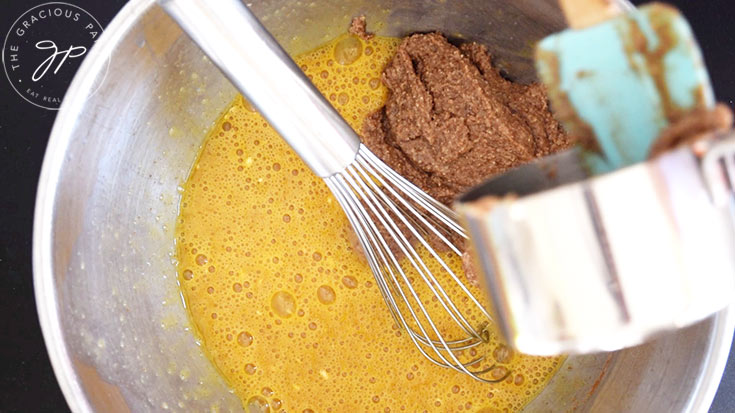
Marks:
<point>408,238</point>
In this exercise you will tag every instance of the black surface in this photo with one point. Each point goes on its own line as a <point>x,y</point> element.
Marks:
<point>27,383</point>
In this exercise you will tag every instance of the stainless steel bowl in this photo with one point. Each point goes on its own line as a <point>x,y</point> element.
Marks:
<point>128,132</point>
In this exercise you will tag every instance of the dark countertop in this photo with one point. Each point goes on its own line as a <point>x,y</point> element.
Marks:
<point>27,382</point>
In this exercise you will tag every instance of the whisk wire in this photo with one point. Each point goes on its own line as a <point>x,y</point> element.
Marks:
<point>405,246</point>
<point>368,159</point>
<point>447,216</point>
<point>385,250</point>
<point>378,202</point>
<point>374,235</point>
<point>414,213</point>
<point>415,259</point>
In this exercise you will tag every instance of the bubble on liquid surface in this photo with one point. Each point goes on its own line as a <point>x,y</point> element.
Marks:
<point>499,372</point>
<point>326,294</point>
<point>245,339</point>
<point>349,281</point>
<point>283,304</point>
<point>348,50</point>
<point>257,404</point>
<point>503,354</point>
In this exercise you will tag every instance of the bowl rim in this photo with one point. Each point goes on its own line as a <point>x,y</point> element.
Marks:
<point>46,295</point>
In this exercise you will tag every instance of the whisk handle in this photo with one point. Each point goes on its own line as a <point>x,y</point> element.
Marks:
<point>233,38</point>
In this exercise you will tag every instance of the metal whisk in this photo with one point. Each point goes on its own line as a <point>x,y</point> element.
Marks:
<point>407,236</point>
<point>388,213</point>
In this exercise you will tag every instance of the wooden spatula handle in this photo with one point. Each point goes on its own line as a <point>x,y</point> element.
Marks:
<point>585,13</point>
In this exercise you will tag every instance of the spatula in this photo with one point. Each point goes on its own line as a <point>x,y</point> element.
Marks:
<point>617,79</point>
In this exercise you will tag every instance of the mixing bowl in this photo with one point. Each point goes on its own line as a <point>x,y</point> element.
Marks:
<point>124,140</point>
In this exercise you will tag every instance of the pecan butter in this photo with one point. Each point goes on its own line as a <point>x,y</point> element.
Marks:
<point>452,120</point>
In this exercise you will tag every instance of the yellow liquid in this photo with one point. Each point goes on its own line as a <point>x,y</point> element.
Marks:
<point>286,309</point>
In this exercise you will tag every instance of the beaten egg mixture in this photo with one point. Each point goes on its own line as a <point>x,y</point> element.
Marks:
<point>285,307</point>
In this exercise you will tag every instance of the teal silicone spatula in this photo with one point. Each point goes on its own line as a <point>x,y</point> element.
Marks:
<point>617,79</point>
